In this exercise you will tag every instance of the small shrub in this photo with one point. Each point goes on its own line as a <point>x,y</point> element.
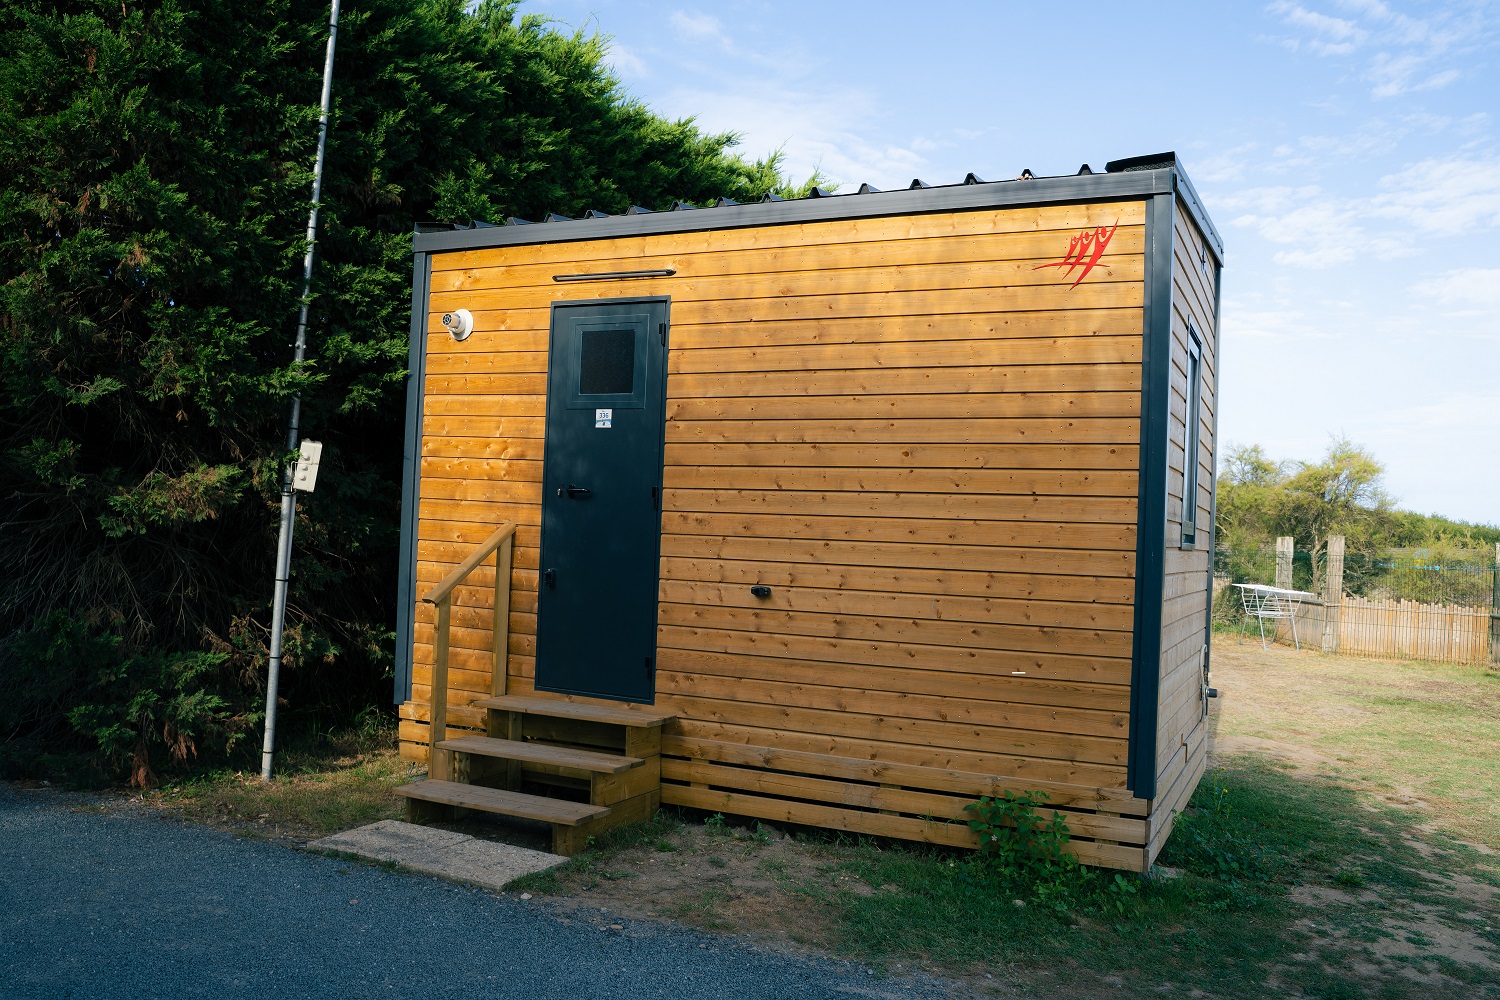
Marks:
<point>1022,853</point>
<point>1350,878</point>
<point>136,710</point>
<point>1015,836</point>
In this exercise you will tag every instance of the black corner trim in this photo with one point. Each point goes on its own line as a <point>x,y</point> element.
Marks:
<point>1151,510</point>
<point>1213,486</point>
<point>406,572</point>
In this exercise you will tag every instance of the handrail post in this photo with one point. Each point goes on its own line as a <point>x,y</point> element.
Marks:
<point>437,760</point>
<point>503,563</point>
<point>502,543</point>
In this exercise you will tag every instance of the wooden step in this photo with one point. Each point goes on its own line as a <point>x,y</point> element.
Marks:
<point>559,812</point>
<point>542,753</point>
<point>610,714</point>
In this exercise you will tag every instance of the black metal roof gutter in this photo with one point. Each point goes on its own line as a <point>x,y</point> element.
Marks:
<point>1127,183</point>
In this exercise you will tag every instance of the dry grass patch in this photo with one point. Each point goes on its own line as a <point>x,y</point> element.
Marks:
<point>340,781</point>
<point>1424,736</point>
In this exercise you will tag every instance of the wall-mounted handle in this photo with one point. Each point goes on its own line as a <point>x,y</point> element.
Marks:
<point>573,492</point>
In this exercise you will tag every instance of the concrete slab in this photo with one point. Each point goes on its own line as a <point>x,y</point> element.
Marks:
<point>440,852</point>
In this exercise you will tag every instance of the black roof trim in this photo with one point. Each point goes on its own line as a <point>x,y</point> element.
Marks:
<point>1194,205</point>
<point>917,184</point>
<point>973,178</point>
<point>1128,182</point>
<point>637,210</point>
<point>868,189</point>
<point>1151,161</point>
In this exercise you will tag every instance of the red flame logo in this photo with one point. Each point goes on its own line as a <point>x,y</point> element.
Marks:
<point>1084,252</point>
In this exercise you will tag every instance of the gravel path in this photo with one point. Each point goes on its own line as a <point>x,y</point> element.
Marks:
<point>103,904</point>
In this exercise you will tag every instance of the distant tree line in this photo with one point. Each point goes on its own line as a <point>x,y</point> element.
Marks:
<point>155,166</point>
<point>1343,493</point>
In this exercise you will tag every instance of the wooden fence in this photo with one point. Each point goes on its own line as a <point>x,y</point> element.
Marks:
<point>1406,630</point>
<point>1386,627</point>
<point>1393,630</point>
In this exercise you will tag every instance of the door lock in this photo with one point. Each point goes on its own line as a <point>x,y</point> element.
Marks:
<point>573,492</point>
<point>550,579</point>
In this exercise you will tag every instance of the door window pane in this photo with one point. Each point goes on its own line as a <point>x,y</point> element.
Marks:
<point>607,362</point>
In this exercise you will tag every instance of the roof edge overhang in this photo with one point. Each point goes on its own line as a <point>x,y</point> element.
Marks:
<point>1126,184</point>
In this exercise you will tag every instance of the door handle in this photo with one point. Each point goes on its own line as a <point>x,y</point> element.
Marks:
<point>573,492</point>
<point>550,579</point>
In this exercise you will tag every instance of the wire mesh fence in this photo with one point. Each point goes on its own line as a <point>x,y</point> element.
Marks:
<point>1395,605</point>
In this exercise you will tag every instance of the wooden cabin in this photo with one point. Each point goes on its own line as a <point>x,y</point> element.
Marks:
<point>840,511</point>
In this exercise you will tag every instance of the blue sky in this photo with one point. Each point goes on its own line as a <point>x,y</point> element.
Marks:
<point>1346,149</point>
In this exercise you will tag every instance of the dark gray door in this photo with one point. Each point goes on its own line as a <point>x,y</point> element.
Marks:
<point>601,509</point>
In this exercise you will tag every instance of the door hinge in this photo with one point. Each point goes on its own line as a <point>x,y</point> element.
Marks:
<point>656,497</point>
<point>648,666</point>
<point>662,331</point>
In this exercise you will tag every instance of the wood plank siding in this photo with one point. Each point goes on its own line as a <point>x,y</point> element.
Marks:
<point>925,443</point>
<point>1182,713</point>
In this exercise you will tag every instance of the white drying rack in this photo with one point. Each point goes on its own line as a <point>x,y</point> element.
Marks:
<point>1262,602</point>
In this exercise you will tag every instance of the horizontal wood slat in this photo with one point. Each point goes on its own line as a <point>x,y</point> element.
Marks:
<point>899,580</point>
<point>1057,219</point>
<point>712,262</point>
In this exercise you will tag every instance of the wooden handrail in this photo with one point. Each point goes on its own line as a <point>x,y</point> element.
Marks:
<point>468,566</point>
<point>502,543</point>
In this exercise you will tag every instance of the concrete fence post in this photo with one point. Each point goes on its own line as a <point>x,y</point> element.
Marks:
<point>1495,609</point>
<point>1284,563</point>
<point>1333,594</point>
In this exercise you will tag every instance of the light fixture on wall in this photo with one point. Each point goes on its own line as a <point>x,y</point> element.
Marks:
<point>460,323</point>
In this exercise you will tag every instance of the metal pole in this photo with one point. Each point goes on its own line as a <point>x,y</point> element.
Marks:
<point>288,494</point>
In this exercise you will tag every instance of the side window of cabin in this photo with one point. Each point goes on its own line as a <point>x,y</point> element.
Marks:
<point>1190,455</point>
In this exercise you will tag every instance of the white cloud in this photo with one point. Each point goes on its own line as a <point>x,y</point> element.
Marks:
<point>1324,35</point>
<point>1470,297</point>
<point>1432,199</point>
<point>698,26</point>
<point>1477,287</point>
<point>829,131</point>
<point>1318,229</point>
<point>626,64</point>
<point>1395,75</point>
<point>1405,48</point>
<point>1442,197</point>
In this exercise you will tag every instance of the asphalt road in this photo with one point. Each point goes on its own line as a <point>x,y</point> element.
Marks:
<point>102,904</point>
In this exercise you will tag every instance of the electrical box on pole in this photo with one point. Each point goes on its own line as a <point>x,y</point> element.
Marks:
<point>306,476</point>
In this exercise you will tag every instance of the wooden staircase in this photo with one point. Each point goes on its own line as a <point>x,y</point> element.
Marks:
<point>580,768</point>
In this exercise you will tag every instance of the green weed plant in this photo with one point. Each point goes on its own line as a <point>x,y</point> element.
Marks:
<point>1024,853</point>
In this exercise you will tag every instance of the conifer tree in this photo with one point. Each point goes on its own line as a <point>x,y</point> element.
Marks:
<point>155,168</point>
